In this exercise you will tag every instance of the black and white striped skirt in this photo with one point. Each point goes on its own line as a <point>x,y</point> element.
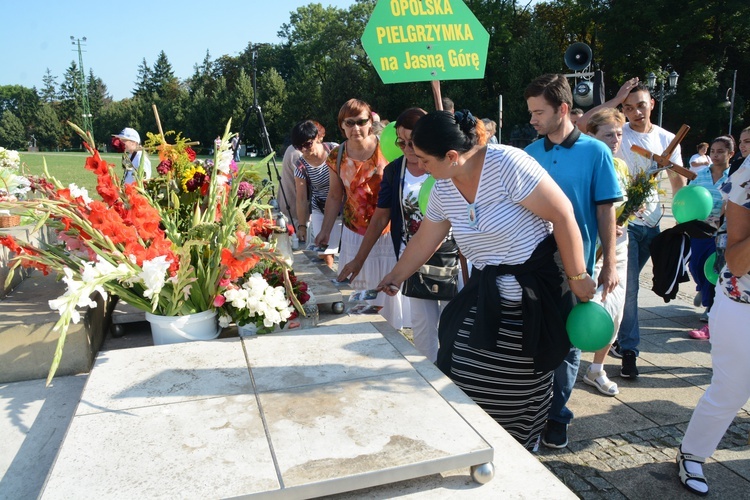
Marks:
<point>502,381</point>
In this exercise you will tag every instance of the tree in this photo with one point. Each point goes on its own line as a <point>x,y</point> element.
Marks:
<point>49,88</point>
<point>48,129</point>
<point>144,84</point>
<point>12,133</point>
<point>163,81</point>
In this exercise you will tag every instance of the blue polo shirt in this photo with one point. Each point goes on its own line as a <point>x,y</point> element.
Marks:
<point>583,168</point>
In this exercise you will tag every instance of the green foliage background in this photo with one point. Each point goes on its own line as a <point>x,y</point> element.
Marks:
<point>321,63</point>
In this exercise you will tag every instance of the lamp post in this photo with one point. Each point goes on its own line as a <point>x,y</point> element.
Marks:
<point>663,91</point>
<point>730,100</point>
<point>82,87</point>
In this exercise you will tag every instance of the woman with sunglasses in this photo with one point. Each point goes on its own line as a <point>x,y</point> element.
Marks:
<point>357,169</point>
<point>503,335</point>
<point>312,177</point>
<point>397,205</point>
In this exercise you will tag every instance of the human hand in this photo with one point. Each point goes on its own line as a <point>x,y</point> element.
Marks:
<point>350,270</point>
<point>583,289</point>
<point>302,233</point>
<point>622,94</point>
<point>321,240</point>
<point>389,285</point>
<point>609,279</point>
<point>619,231</point>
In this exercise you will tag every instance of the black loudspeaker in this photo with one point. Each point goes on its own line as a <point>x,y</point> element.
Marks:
<point>583,94</point>
<point>578,56</point>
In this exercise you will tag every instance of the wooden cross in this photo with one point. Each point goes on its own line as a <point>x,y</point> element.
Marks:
<point>663,159</point>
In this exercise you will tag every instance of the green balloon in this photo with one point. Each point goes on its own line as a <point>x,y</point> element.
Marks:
<point>424,193</point>
<point>388,142</point>
<point>590,327</point>
<point>692,203</point>
<point>708,269</point>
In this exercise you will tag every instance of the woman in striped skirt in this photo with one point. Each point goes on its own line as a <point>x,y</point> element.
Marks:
<point>502,336</point>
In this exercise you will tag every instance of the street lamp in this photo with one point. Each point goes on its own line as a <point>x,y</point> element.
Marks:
<point>730,100</point>
<point>663,91</point>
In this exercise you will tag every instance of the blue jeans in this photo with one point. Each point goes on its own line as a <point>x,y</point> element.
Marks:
<point>700,250</point>
<point>562,386</point>
<point>640,237</point>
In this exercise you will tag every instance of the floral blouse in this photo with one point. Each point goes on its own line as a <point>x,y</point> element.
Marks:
<point>362,183</point>
<point>737,190</point>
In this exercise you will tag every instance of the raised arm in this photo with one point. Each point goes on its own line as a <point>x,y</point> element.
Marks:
<point>622,94</point>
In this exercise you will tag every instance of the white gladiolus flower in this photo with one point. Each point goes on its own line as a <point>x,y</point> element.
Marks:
<point>153,275</point>
<point>81,192</point>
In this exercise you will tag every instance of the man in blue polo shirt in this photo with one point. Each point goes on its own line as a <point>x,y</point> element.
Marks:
<point>583,168</point>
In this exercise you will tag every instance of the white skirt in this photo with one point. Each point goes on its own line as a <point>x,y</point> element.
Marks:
<point>379,262</point>
<point>333,240</point>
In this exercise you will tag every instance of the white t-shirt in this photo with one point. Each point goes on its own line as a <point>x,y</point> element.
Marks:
<point>655,141</point>
<point>496,228</point>
<point>701,158</point>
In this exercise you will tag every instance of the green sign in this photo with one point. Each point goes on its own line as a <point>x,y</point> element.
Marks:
<point>422,40</point>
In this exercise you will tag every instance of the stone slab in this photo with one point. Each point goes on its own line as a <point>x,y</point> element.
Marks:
<point>317,278</point>
<point>34,421</point>
<point>308,413</point>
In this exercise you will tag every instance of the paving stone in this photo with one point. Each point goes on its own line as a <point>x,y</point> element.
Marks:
<point>599,483</point>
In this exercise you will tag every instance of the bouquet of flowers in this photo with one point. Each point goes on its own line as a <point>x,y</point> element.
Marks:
<point>13,185</point>
<point>171,246</point>
<point>640,187</point>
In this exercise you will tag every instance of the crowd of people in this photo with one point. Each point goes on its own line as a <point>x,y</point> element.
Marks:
<point>510,240</point>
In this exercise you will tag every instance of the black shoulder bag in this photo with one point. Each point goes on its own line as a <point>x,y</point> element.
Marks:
<point>437,279</point>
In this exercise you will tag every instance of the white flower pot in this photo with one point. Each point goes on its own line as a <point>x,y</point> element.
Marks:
<point>190,327</point>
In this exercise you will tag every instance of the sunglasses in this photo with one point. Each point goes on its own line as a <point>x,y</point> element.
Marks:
<point>350,122</point>
<point>305,145</point>
<point>404,144</point>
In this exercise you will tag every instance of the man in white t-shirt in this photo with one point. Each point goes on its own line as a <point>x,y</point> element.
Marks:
<point>637,105</point>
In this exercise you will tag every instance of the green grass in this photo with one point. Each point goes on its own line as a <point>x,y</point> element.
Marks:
<point>70,167</point>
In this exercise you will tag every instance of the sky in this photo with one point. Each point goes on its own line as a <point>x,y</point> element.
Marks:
<point>119,35</point>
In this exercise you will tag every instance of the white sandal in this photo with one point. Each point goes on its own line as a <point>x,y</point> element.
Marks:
<point>601,382</point>
<point>686,476</point>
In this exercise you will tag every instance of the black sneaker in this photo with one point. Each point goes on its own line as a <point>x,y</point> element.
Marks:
<point>614,350</point>
<point>555,435</point>
<point>629,370</point>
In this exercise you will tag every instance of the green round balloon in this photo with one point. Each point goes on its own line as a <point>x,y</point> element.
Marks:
<point>708,269</point>
<point>388,142</point>
<point>424,193</point>
<point>692,203</point>
<point>590,327</point>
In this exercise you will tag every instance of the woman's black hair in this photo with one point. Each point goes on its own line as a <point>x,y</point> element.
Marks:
<point>441,131</point>
<point>306,130</point>
<point>728,141</point>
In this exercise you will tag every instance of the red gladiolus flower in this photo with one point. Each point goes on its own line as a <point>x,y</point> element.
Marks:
<point>190,153</point>
<point>117,145</point>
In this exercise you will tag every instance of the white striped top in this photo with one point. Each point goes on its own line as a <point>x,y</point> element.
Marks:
<point>506,232</point>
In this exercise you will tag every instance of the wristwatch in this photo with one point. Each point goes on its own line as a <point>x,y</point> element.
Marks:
<point>578,277</point>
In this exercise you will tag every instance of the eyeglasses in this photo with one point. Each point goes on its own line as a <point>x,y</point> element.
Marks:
<point>404,144</point>
<point>350,122</point>
<point>306,145</point>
